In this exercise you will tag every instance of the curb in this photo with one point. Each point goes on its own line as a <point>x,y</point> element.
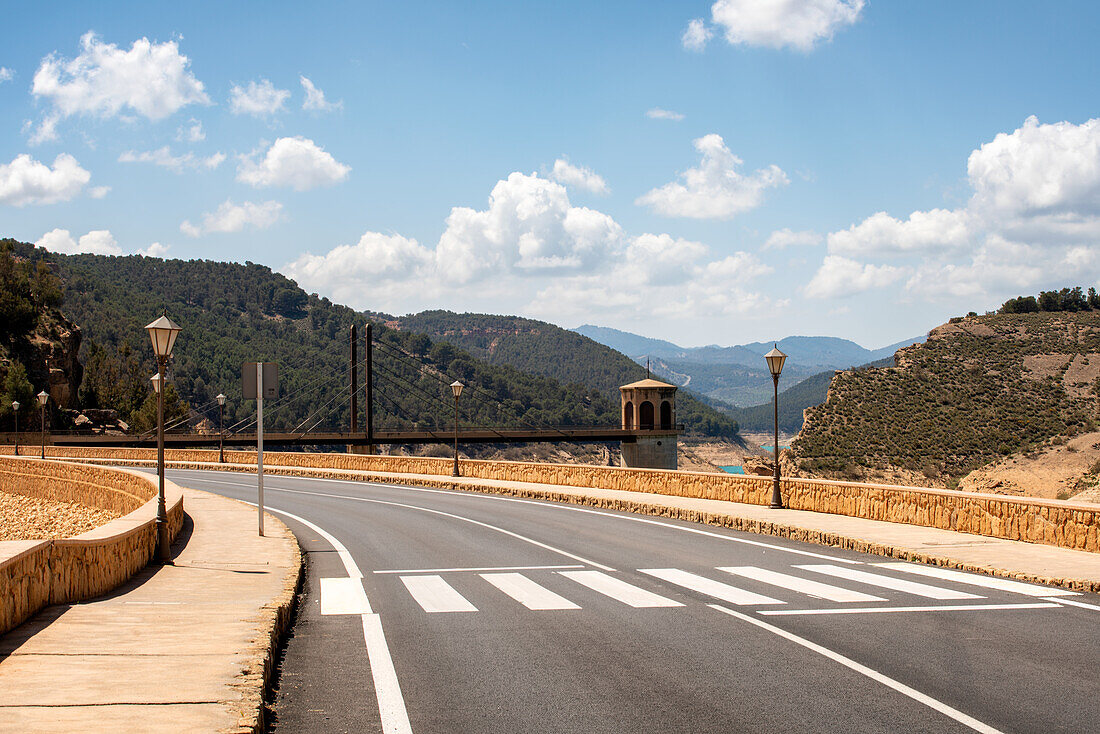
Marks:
<point>733,522</point>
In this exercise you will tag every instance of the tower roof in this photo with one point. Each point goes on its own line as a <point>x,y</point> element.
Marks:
<point>648,382</point>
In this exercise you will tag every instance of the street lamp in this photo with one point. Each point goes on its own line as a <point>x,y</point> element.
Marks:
<point>456,389</point>
<point>221,432</point>
<point>43,398</point>
<point>15,409</point>
<point>162,333</point>
<point>775,359</point>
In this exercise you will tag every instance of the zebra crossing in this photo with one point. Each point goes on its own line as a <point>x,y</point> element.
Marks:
<point>888,587</point>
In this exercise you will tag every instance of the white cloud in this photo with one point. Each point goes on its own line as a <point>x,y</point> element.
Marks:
<point>163,157</point>
<point>529,226</point>
<point>6,74</point>
<point>150,79</point>
<point>155,250</point>
<point>713,190</point>
<point>578,177</point>
<point>696,35</point>
<point>192,132</point>
<point>924,232</point>
<point>27,181</point>
<point>840,276</point>
<point>315,98</point>
<point>386,262</point>
<point>46,130</point>
<point>776,24</point>
<point>99,192</point>
<point>296,162</point>
<point>657,113</point>
<point>96,242</point>
<point>781,239</point>
<point>258,100</point>
<point>230,217</point>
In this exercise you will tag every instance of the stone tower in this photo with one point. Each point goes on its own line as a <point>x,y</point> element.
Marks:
<point>650,406</point>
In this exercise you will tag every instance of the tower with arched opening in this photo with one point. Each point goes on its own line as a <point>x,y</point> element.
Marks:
<point>649,407</point>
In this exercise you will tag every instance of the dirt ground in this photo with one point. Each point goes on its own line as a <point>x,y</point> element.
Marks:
<point>30,518</point>
<point>1056,471</point>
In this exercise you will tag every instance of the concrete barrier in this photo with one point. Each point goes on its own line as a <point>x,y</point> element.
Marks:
<point>35,573</point>
<point>1061,523</point>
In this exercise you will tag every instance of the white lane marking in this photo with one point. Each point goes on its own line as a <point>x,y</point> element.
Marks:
<point>527,592</point>
<point>485,568</point>
<point>349,563</point>
<point>619,590</point>
<point>1073,603</point>
<point>703,585</point>
<point>874,675</point>
<point>434,595</point>
<point>509,533</point>
<point>551,505</point>
<point>887,582</point>
<point>989,582</point>
<point>344,596</point>
<point>815,589</point>
<point>391,704</point>
<point>877,610</point>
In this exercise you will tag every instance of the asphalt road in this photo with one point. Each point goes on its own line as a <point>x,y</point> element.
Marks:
<point>477,613</point>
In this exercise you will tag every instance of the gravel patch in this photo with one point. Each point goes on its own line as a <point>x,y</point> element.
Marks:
<point>30,518</point>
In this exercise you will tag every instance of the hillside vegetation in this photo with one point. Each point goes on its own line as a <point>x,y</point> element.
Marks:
<point>979,389</point>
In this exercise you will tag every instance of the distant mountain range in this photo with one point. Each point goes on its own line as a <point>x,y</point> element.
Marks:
<point>738,375</point>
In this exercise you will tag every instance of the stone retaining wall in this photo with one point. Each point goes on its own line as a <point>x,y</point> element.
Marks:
<point>35,573</point>
<point>1053,522</point>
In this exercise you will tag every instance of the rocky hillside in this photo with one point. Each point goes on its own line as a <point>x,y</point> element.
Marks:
<point>980,389</point>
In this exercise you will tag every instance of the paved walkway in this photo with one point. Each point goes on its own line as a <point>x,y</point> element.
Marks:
<point>178,648</point>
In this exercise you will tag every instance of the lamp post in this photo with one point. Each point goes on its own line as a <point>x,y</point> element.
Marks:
<point>775,359</point>
<point>43,398</point>
<point>15,410</point>
<point>221,432</point>
<point>456,390</point>
<point>162,333</point>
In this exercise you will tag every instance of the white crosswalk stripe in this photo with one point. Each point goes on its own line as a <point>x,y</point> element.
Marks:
<point>989,582</point>
<point>619,590</point>
<point>888,582</point>
<point>434,595</point>
<point>815,589</point>
<point>527,592</point>
<point>710,587</point>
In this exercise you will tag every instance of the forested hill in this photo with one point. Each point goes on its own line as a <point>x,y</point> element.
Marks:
<point>542,348</point>
<point>233,313</point>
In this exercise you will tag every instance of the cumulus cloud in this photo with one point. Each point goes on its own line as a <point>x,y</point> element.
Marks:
<point>696,35</point>
<point>150,79</point>
<point>155,250</point>
<point>258,100</point>
<point>799,24</point>
<point>714,189</point>
<point>96,242</point>
<point>192,132</point>
<point>6,74</point>
<point>295,162</point>
<point>231,217</point>
<point>657,113</point>
<point>315,98</point>
<point>1033,216</point>
<point>99,192</point>
<point>578,177</point>
<point>28,181</point>
<point>841,276</point>
<point>781,239</point>
<point>177,163</point>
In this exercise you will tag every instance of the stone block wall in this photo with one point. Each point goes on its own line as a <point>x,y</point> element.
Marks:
<point>36,573</point>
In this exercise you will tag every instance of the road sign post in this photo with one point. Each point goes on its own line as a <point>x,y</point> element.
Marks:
<point>260,380</point>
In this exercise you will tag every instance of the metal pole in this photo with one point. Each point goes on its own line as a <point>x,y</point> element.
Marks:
<point>221,433</point>
<point>16,412</point>
<point>369,399</point>
<point>260,442</point>
<point>43,430</point>
<point>354,383</point>
<point>455,472</point>
<point>163,549</point>
<point>777,498</point>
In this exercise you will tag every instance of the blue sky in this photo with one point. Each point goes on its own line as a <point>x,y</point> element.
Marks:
<point>824,166</point>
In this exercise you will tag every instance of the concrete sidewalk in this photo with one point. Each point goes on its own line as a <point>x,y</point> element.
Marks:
<point>1035,562</point>
<point>183,647</point>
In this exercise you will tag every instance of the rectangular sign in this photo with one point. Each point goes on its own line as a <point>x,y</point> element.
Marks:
<point>271,380</point>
